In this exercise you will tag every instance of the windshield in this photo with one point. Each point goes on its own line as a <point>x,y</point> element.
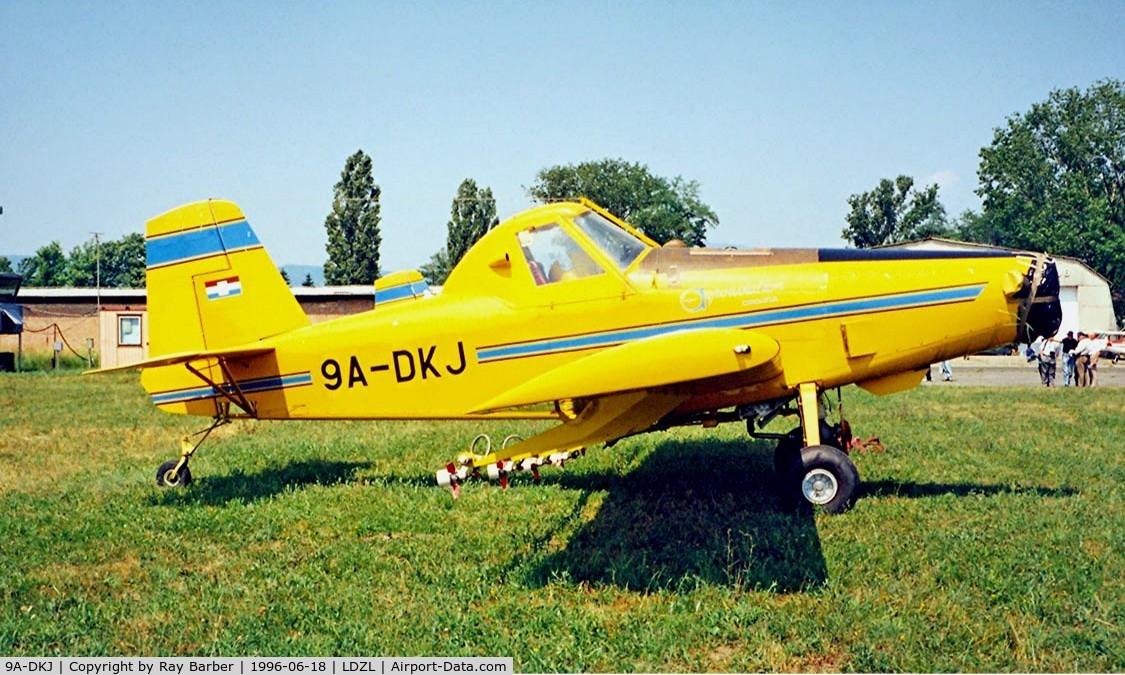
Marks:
<point>622,247</point>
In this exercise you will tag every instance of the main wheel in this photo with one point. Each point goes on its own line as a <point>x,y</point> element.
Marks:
<point>166,476</point>
<point>823,476</point>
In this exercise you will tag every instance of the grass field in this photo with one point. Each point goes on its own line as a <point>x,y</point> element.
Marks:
<point>989,536</point>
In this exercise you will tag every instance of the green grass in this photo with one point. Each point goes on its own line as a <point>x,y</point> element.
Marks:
<point>44,362</point>
<point>989,537</point>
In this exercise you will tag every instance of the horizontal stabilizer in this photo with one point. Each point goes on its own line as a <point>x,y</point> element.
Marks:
<point>405,285</point>
<point>676,358</point>
<point>186,357</point>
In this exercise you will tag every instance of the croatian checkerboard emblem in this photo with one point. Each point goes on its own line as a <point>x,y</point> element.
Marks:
<point>223,288</point>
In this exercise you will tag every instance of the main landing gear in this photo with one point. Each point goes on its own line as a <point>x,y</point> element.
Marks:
<point>811,461</point>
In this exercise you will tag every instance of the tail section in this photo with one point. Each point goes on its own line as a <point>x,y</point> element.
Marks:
<point>211,284</point>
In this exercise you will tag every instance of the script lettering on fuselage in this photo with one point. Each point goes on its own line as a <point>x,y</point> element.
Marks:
<point>421,363</point>
<point>694,300</point>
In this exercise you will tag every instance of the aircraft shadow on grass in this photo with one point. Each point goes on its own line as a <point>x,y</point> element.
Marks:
<point>691,513</point>
<point>912,490</point>
<point>701,512</point>
<point>708,512</point>
<point>247,487</point>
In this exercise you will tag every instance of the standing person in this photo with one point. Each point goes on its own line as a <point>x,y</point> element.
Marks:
<point>1067,355</point>
<point>1094,353</point>
<point>1081,359</point>
<point>1033,349</point>
<point>1048,357</point>
<point>946,371</point>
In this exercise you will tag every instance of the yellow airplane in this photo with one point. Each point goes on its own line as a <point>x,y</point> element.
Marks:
<point>567,313</point>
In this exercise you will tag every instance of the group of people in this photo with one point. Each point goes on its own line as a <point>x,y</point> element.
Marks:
<point>1079,356</point>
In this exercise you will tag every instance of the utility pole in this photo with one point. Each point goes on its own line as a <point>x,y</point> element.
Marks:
<point>98,269</point>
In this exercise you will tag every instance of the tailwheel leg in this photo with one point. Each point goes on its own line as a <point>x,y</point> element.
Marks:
<point>175,472</point>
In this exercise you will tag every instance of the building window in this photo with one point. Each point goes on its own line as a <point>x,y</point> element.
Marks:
<point>128,331</point>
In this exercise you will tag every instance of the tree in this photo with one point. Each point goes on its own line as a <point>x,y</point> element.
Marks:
<point>285,276</point>
<point>894,211</point>
<point>308,282</point>
<point>473,214</point>
<point>662,208</point>
<point>5,264</point>
<point>975,227</point>
<point>46,269</point>
<point>353,225</point>
<point>1053,179</point>
<point>113,263</point>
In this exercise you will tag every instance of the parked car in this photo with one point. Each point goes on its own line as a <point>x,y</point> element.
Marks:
<point>1115,349</point>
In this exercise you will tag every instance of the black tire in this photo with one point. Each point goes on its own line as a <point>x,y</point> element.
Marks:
<point>823,476</point>
<point>165,477</point>
<point>787,452</point>
<point>788,449</point>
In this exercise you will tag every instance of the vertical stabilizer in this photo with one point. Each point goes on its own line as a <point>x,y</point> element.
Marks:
<point>211,284</point>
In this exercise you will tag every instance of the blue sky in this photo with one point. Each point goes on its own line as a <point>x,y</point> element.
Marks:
<point>111,113</point>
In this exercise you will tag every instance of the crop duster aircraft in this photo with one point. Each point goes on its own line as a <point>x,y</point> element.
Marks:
<point>566,313</point>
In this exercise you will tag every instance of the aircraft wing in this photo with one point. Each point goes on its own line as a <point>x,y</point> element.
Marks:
<point>632,386</point>
<point>186,357</point>
<point>687,357</point>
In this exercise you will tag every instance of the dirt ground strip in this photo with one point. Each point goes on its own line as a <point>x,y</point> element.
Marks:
<point>1015,371</point>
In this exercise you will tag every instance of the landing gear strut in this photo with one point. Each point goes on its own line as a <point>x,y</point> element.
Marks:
<point>811,461</point>
<point>821,475</point>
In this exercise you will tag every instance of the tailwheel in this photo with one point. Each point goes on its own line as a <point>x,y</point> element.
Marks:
<point>823,476</point>
<point>175,472</point>
<point>172,474</point>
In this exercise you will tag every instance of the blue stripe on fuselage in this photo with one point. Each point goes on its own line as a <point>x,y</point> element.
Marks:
<point>749,320</point>
<point>248,387</point>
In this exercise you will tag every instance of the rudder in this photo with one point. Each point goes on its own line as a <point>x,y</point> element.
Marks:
<point>211,284</point>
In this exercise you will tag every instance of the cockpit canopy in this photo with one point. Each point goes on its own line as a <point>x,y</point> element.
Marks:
<point>549,245</point>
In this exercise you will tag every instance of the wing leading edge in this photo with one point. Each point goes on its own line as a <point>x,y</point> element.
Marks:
<point>682,358</point>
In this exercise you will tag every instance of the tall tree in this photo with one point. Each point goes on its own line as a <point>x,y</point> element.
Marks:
<point>662,208</point>
<point>976,227</point>
<point>894,211</point>
<point>116,263</point>
<point>353,225</point>
<point>308,282</point>
<point>473,214</point>
<point>45,269</point>
<point>1053,179</point>
<point>5,264</point>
